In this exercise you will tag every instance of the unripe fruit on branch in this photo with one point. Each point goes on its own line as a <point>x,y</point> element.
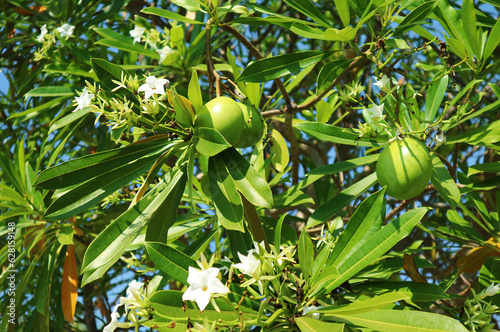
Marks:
<point>405,167</point>
<point>254,127</point>
<point>224,115</point>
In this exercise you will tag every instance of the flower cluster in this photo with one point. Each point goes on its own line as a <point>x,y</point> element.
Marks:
<point>48,39</point>
<point>477,312</point>
<point>135,304</point>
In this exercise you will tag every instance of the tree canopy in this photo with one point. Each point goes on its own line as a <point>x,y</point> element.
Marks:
<point>292,165</point>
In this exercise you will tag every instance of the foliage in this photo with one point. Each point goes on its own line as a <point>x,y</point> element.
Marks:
<point>107,181</point>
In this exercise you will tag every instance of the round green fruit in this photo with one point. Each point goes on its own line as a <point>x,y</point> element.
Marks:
<point>224,115</point>
<point>405,167</point>
<point>253,129</point>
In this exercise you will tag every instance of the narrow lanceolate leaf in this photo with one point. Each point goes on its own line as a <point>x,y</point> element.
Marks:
<point>493,41</point>
<point>329,73</point>
<point>416,16</point>
<point>69,286</point>
<point>366,220</point>
<point>84,168</point>
<point>110,244</point>
<point>247,180</point>
<point>308,8</point>
<point>51,91</point>
<point>337,203</point>
<point>169,15</point>
<point>334,134</point>
<point>443,182</point>
<point>377,245</point>
<point>279,148</point>
<point>165,214</point>
<point>435,97</point>
<point>468,14</point>
<point>305,250</point>
<point>277,66</point>
<point>307,324</point>
<point>170,261</point>
<point>227,201</point>
<point>107,72</point>
<point>402,320</point>
<point>369,304</point>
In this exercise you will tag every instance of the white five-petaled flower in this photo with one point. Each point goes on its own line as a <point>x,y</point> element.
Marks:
<point>137,33</point>
<point>84,100</point>
<point>43,32</point>
<point>164,52</point>
<point>383,83</point>
<point>249,265</point>
<point>114,324</point>
<point>66,30</point>
<point>152,86</point>
<point>376,111</point>
<point>203,284</point>
<point>135,293</point>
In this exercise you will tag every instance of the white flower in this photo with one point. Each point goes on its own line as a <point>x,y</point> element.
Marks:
<point>114,324</point>
<point>383,84</point>
<point>310,308</point>
<point>153,86</point>
<point>376,111</point>
<point>249,265</point>
<point>164,52</point>
<point>202,285</point>
<point>84,100</point>
<point>135,294</point>
<point>43,32</point>
<point>137,33</point>
<point>490,291</point>
<point>66,30</point>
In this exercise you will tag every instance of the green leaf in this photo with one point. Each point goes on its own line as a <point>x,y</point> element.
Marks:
<point>51,91</point>
<point>486,135</point>
<point>366,220</point>
<point>450,20</point>
<point>112,242</point>
<point>334,134</point>
<point>305,30</point>
<point>277,66</point>
<point>468,13</point>
<point>415,16</point>
<point>43,285</point>
<point>402,320</point>
<point>227,201</point>
<point>169,15</point>
<point>194,91</point>
<point>164,216</point>
<point>128,47</point>
<point>69,118</point>
<point>342,7</point>
<point>307,8</point>
<point>279,148</point>
<point>65,234</point>
<point>329,73</point>
<point>443,182</point>
<point>345,35</point>
<point>307,324</point>
<point>377,245</point>
<point>305,249</point>
<point>370,304</point>
<point>416,291</point>
<point>84,168</point>
<point>107,72</point>
<point>337,203</point>
<point>435,96</point>
<point>170,261</point>
<point>248,181</point>
<point>209,142</point>
<point>493,167</point>
<point>493,41</point>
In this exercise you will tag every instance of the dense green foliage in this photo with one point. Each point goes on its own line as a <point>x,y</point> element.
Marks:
<point>107,178</point>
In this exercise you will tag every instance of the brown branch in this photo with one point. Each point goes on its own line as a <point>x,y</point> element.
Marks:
<point>210,65</point>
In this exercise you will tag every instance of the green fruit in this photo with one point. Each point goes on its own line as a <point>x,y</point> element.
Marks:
<point>405,167</point>
<point>224,115</point>
<point>253,129</point>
